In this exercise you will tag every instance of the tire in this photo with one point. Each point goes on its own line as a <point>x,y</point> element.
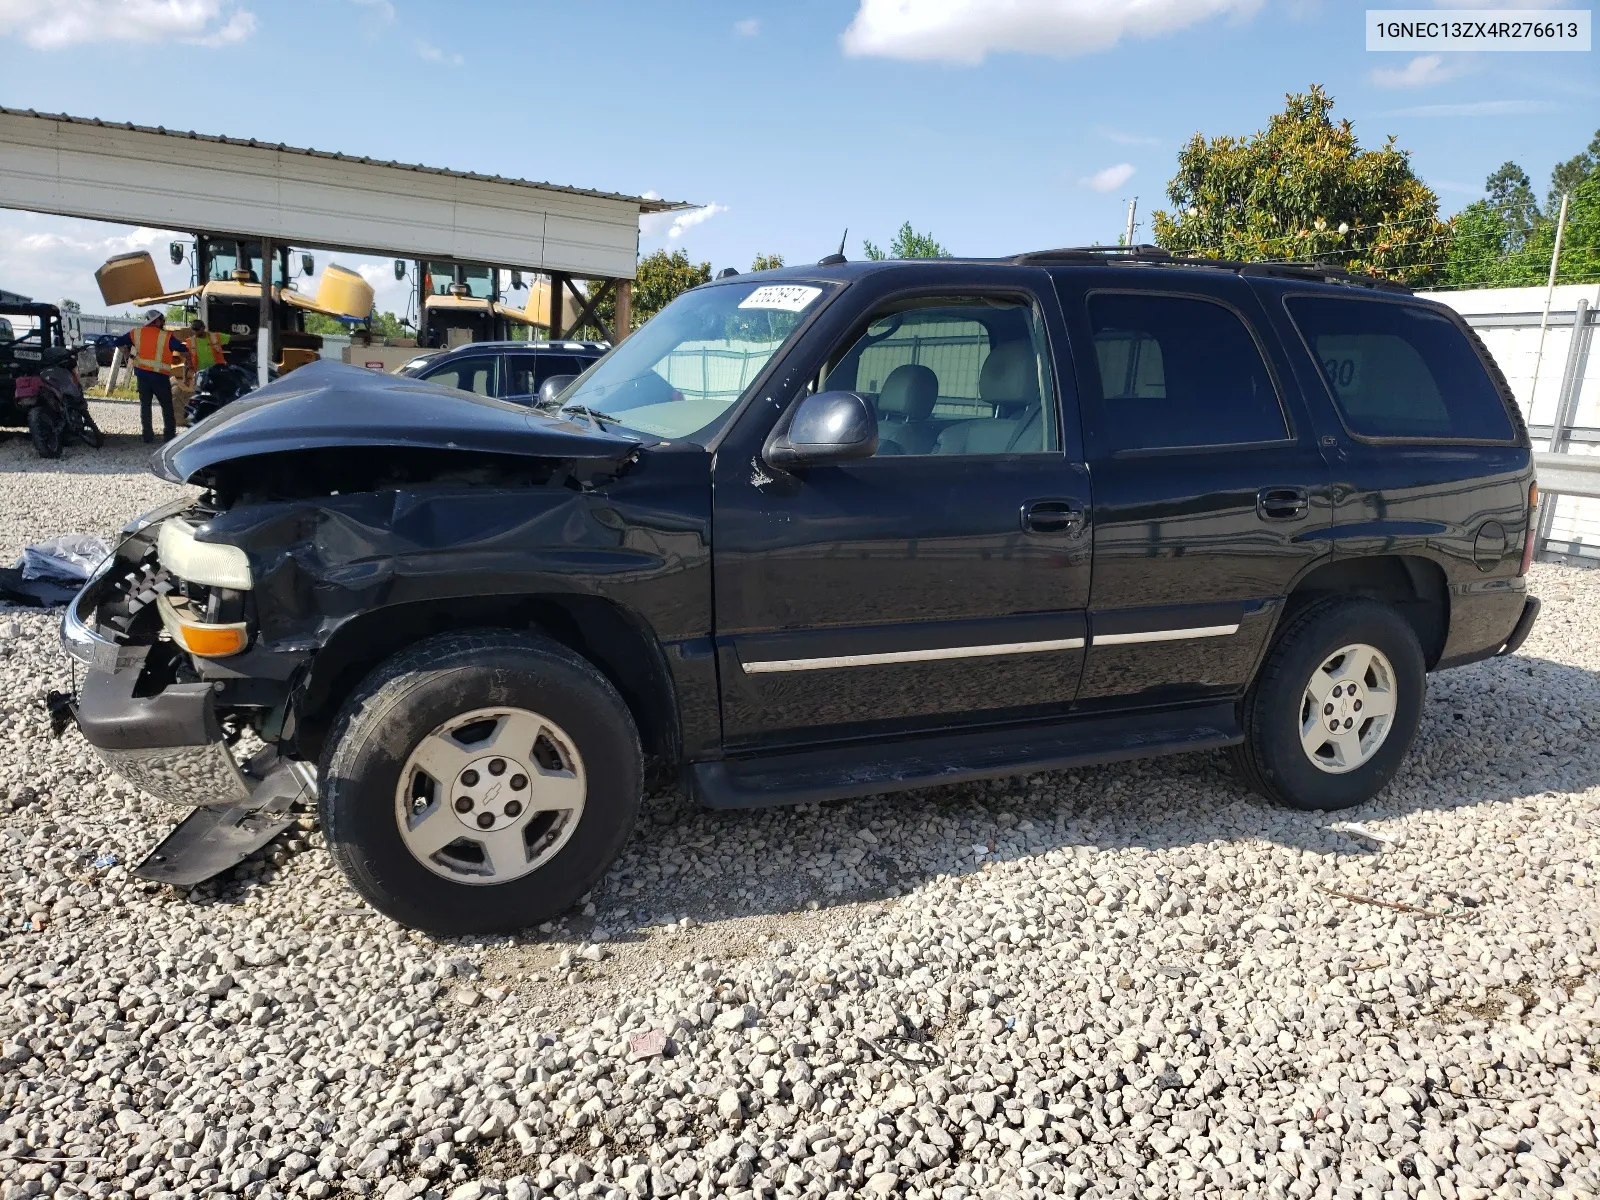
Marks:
<point>92,437</point>
<point>44,432</point>
<point>587,748</point>
<point>1276,757</point>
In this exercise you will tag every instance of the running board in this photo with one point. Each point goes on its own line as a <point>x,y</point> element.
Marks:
<point>866,769</point>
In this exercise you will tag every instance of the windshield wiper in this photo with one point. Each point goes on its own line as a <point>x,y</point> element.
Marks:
<point>583,410</point>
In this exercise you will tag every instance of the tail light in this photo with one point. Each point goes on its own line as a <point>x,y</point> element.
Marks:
<point>1533,530</point>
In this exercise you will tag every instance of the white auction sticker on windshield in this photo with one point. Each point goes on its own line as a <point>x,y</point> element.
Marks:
<point>786,297</point>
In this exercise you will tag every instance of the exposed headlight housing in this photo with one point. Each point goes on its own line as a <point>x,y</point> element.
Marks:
<point>206,563</point>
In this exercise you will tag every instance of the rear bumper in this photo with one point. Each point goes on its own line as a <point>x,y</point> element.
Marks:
<point>1523,627</point>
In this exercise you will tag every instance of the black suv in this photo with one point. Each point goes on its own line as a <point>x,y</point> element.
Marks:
<point>510,370</point>
<point>809,534</point>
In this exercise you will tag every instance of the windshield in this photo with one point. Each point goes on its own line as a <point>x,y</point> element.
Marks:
<point>683,371</point>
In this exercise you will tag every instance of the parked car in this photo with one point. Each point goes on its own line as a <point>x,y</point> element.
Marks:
<point>105,348</point>
<point>835,531</point>
<point>509,370</point>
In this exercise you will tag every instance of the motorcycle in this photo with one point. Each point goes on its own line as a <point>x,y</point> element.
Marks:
<point>216,386</point>
<point>58,412</point>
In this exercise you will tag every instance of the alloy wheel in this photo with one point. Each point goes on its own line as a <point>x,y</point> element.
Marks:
<point>490,795</point>
<point>1348,708</point>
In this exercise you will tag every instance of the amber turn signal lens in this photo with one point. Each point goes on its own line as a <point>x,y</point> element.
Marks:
<point>211,641</point>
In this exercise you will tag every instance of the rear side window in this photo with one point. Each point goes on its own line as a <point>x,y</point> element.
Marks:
<point>1178,371</point>
<point>1400,371</point>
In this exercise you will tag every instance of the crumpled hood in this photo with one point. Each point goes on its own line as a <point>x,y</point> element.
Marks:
<point>328,404</point>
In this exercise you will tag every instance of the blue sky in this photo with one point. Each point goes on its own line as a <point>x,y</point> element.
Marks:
<point>995,133</point>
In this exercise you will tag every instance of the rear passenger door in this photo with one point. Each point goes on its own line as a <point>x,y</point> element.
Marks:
<point>1210,492</point>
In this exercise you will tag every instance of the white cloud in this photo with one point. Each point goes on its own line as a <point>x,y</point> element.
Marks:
<point>1110,179</point>
<point>748,27</point>
<point>1477,108</point>
<point>673,225</point>
<point>1424,70</point>
<point>55,24</point>
<point>428,52</point>
<point>54,258</point>
<point>684,221</point>
<point>966,31</point>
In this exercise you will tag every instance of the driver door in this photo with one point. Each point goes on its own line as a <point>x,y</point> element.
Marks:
<point>943,581</point>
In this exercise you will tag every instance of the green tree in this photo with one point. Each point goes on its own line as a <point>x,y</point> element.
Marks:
<point>72,306</point>
<point>908,243</point>
<point>1568,175</point>
<point>1509,192</point>
<point>1497,245</point>
<point>661,279</point>
<point>767,262</point>
<point>386,324</point>
<point>1304,190</point>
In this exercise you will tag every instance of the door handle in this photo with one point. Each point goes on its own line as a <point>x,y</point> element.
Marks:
<point>1053,516</point>
<point>1282,503</point>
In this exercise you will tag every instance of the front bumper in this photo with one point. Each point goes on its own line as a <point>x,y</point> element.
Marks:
<point>169,743</point>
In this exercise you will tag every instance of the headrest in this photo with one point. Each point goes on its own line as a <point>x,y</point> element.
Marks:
<point>910,392</point>
<point>1010,375</point>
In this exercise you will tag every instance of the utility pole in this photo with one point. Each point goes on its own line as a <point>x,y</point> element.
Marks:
<point>1133,208</point>
<point>1549,293</point>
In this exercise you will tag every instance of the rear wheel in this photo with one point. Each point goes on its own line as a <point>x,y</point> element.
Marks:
<point>480,782</point>
<point>44,431</point>
<point>1335,707</point>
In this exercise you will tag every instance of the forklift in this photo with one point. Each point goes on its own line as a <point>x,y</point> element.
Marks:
<point>461,302</point>
<point>226,295</point>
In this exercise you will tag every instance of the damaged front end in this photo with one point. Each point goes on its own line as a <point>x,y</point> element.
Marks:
<point>327,497</point>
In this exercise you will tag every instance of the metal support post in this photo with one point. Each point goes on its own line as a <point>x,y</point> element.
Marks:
<point>264,334</point>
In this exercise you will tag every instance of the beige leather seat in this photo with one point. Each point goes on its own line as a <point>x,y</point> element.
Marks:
<point>904,405</point>
<point>1010,381</point>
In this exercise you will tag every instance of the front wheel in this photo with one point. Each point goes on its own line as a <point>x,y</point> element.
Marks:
<point>44,431</point>
<point>1335,707</point>
<point>90,433</point>
<point>480,783</point>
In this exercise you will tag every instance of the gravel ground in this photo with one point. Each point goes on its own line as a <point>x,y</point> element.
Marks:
<point>1130,981</point>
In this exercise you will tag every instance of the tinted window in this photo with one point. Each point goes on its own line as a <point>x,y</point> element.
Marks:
<point>468,374</point>
<point>526,373</point>
<point>1399,370</point>
<point>1179,371</point>
<point>958,376</point>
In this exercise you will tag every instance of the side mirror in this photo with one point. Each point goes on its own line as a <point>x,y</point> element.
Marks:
<point>828,427</point>
<point>308,265</point>
<point>399,268</point>
<point>175,252</point>
<point>552,388</point>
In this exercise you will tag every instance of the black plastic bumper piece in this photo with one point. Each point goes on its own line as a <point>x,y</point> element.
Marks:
<point>1523,627</point>
<point>219,836</point>
<point>839,772</point>
<point>111,717</point>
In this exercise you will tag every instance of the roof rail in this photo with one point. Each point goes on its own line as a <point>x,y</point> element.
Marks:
<point>1157,256</point>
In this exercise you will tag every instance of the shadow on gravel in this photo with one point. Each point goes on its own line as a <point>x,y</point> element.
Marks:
<point>1491,733</point>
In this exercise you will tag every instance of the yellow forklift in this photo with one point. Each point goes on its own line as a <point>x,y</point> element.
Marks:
<point>461,302</point>
<point>226,295</point>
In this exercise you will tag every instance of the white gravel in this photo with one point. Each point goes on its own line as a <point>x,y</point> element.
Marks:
<point>1130,981</point>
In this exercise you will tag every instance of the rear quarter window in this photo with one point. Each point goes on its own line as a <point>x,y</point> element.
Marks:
<point>1400,371</point>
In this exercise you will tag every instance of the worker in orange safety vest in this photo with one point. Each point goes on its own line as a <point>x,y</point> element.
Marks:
<point>156,354</point>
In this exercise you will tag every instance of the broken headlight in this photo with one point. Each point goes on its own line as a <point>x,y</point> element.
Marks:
<point>195,561</point>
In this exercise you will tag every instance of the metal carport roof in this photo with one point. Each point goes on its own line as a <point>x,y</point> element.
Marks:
<point>138,175</point>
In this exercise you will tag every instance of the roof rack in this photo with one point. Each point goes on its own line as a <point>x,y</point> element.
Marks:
<point>1145,254</point>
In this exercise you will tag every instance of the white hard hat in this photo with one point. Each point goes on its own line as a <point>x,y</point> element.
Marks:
<point>155,314</point>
